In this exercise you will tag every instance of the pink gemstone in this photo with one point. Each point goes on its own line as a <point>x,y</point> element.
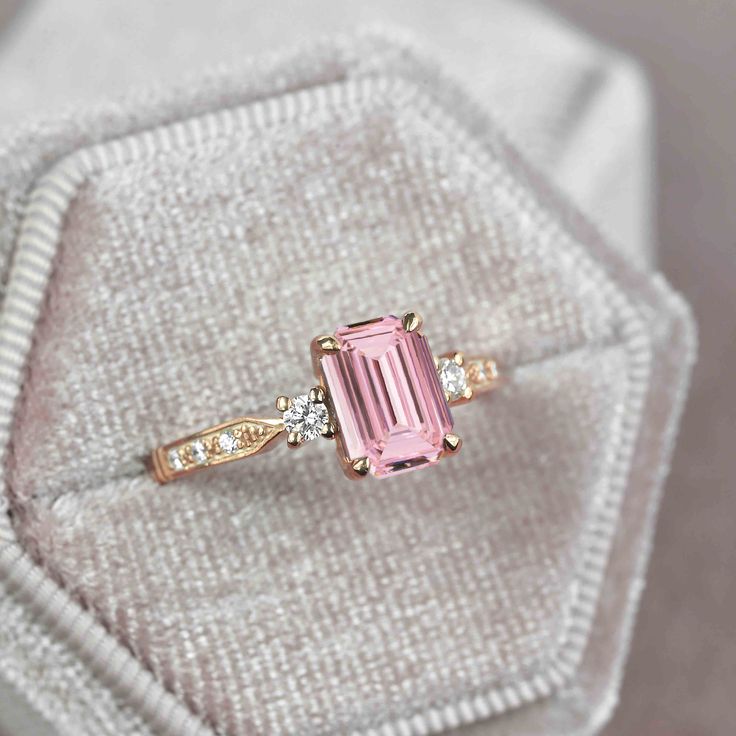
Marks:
<point>387,396</point>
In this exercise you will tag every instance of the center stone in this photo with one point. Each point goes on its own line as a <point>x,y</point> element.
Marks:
<point>387,396</point>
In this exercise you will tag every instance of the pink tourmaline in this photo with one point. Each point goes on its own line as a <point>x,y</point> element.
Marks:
<point>387,396</point>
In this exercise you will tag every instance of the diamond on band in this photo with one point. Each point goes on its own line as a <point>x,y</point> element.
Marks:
<point>382,395</point>
<point>388,400</point>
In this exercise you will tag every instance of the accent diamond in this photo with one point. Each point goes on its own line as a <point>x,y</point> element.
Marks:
<point>228,443</point>
<point>199,452</point>
<point>308,418</point>
<point>175,461</point>
<point>452,377</point>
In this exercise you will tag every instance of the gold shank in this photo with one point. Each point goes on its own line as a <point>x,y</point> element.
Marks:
<point>224,443</point>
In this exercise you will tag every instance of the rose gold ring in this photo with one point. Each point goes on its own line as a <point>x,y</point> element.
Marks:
<point>382,395</point>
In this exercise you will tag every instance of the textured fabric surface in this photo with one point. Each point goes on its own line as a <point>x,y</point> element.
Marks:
<point>29,652</point>
<point>336,596</point>
<point>577,110</point>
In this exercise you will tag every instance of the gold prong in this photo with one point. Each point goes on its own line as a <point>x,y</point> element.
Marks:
<point>452,443</point>
<point>468,393</point>
<point>448,398</point>
<point>436,361</point>
<point>283,403</point>
<point>294,439</point>
<point>317,394</point>
<point>459,358</point>
<point>411,321</point>
<point>329,431</point>
<point>327,343</point>
<point>361,466</point>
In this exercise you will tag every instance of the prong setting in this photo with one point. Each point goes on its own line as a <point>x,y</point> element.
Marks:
<point>411,321</point>
<point>452,443</point>
<point>361,467</point>
<point>294,439</point>
<point>453,377</point>
<point>326,344</point>
<point>330,431</point>
<point>321,346</point>
<point>306,416</point>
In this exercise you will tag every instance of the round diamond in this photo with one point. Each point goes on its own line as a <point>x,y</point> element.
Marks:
<point>452,377</point>
<point>175,462</point>
<point>228,443</point>
<point>199,452</point>
<point>308,418</point>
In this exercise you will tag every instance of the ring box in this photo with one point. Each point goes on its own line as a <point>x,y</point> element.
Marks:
<point>169,265</point>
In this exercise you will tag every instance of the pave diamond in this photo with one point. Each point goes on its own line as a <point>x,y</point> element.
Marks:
<point>175,462</point>
<point>308,418</point>
<point>199,452</point>
<point>477,372</point>
<point>452,377</point>
<point>228,443</point>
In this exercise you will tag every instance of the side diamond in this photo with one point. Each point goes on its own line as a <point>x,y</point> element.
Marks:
<point>308,418</point>
<point>452,377</point>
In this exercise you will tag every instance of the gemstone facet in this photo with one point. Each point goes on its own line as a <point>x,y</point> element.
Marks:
<point>452,377</point>
<point>308,418</point>
<point>387,396</point>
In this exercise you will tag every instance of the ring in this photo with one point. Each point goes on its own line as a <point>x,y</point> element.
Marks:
<point>381,395</point>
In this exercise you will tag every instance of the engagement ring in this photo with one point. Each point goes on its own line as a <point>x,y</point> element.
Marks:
<point>382,396</point>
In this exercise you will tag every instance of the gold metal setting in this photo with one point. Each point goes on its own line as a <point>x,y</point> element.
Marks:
<point>321,345</point>
<point>452,443</point>
<point>316,395</point>
<point>224,443</point>
<point>360,467</point>
<point>412,321</point>
<point>294,439</point>
<point>327,343</point>
<point>330,431</point>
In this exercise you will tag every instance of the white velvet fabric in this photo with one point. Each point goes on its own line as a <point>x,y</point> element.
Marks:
<point>578,110</point>
<point>267,602</point>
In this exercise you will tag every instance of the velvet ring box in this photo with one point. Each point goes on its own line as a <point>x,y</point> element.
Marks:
<point>171,275</point>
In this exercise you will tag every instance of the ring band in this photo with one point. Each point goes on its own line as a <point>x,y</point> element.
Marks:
<point>382,395</point>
